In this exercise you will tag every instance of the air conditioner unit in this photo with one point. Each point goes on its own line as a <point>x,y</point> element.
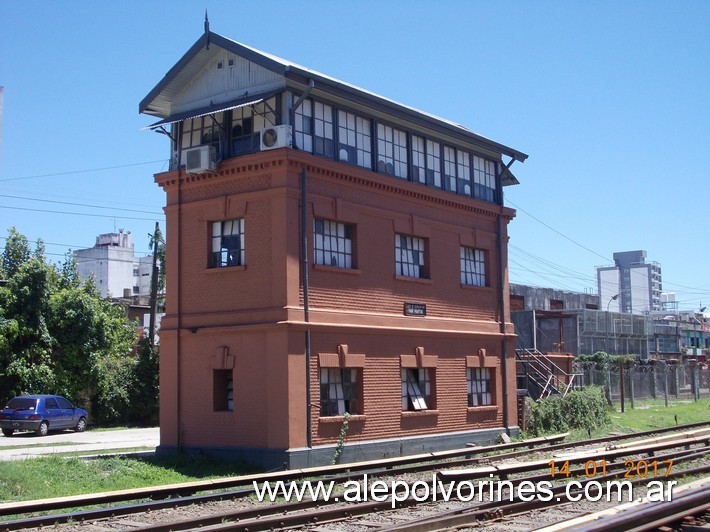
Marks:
<point>275,137</point>
<point>199,159</point>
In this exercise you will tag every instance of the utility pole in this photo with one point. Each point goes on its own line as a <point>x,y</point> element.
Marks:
<point>154,289</point>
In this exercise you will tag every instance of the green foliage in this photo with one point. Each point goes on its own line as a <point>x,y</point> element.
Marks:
<point>157,238</point>
<point>58,336</point>
<point>602,360</point>
<point>341,439</point>
<point>17,252</point>
<point>57,476</point>
<point>580,409</point>
<point>144,388</point>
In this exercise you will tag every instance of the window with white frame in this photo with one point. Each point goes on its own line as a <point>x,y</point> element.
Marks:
<point>323,143</point>
<point>333,243</point>
<point>484,179</point>
<point>433,164</point>
<point>247,121</point>
<point>457,171</point>
<point>473,266</point>
<point>227,243</point>
<point>418,159</point>
<point>463,173</point>
<point>392,151</point>
<point>339,391</point>
<point>417,389</point>
<point>203,130</point>
<point>303,127</point>
<point>480,391</point>
<point>410,256</point>
<point>354,139</point>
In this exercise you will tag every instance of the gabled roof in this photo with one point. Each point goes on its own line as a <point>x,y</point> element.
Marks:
<point>158,101</point>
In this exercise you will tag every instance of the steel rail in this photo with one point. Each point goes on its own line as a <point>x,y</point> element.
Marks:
<point>298,513</point>
<point>494,510</point>
<point>190,488</point>
<point>652,516</point>
<point>236,522</point>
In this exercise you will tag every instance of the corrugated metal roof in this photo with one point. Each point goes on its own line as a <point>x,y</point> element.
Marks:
<point>209,110</point>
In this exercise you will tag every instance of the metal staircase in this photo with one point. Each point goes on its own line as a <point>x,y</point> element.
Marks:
<point>540,375</point>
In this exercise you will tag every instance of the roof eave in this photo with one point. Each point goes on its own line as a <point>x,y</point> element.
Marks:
<point>203,42</point>
<point>302,77</point>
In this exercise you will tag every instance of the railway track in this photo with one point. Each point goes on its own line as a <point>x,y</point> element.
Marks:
<point>238,512</point>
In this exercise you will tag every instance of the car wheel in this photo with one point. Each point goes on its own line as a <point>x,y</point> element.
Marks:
<point>43,429</point>
<point>81,425</point>
<point>8,432</point>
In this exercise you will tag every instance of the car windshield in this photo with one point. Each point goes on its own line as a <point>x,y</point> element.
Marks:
<point>22,403</point>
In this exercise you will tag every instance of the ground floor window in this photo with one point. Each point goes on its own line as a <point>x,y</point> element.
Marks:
<point>416,389</point>
<point>339,391</point>
<point>223,390</point>
<point>479,386</point>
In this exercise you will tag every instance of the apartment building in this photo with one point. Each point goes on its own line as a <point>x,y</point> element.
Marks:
<point>114,267</point>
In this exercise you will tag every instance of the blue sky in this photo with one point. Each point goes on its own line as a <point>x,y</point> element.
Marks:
<point>611,100</point>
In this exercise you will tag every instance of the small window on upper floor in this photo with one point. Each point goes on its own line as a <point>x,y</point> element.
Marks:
<point>203,130</point>
<point>333,243</point>
<point>473,266</point>
<point>410,256</point>
<point>484,179</point>
<point>227,243</point>
<point>392,151</point>
<point>354,139</point>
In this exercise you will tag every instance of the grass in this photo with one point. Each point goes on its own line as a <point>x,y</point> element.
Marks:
<point>649,415</point>
<point>57,476</point>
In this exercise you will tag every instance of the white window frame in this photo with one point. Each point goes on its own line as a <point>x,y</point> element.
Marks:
<point>416,388</point>
<point>392,156</point>
<point>479,383</point>
<point>473,266</point>
<point>339,386</point>
<point>222,256</point>
<point>333,243</point>
<point>484,179</point>
<point>410,256</point>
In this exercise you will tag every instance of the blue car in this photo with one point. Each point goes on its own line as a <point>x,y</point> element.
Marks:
<point>41,413</point>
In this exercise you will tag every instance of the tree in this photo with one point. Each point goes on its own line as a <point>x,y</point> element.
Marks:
<point>17,252</point>
<point>58,336</point>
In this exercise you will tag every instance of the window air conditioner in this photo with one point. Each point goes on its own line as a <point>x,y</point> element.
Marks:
<point>275,137</point>
<point>199,159</point>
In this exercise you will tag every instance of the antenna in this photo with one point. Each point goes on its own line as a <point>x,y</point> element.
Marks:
<point>207,29</point>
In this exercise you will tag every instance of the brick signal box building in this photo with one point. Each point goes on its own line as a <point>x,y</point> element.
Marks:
<point>329,252</point>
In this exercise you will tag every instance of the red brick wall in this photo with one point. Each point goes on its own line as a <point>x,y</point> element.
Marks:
<point>256,313</point>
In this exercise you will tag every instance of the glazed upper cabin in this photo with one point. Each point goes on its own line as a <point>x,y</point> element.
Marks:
<point>224,99</point>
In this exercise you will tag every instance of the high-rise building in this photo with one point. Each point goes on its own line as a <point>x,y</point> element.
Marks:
<point>632,285</point>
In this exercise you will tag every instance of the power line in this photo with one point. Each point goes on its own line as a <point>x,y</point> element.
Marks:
<point>79,213</point>
<point>77,204</point>
<point>83,171</point>
<point>559,233</point>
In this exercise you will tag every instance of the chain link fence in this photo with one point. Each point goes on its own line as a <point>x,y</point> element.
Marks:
<point>661,380</point>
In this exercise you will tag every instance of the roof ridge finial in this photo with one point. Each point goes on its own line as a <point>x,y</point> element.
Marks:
<point>207,29</point>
